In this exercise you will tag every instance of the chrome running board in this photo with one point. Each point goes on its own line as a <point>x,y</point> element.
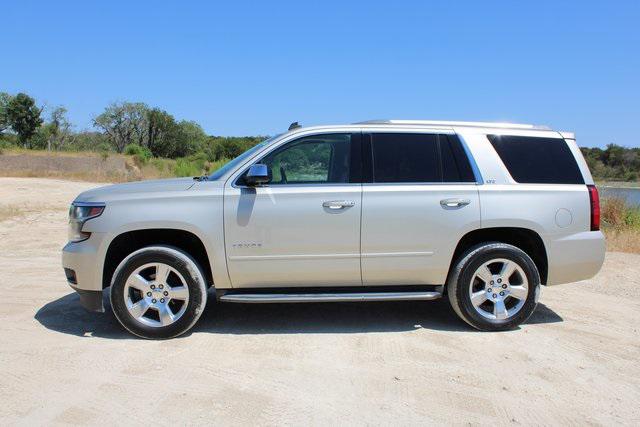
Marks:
<point>331,297</point>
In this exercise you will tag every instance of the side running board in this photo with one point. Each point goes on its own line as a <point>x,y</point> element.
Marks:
<point>331,297</point>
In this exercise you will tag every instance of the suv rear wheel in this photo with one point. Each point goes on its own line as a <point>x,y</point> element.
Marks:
<point>494,287</point>
<point>158,292</point>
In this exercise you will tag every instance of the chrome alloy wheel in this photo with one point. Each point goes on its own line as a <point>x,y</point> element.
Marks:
<point>156,294</point>
<point>498,289</point>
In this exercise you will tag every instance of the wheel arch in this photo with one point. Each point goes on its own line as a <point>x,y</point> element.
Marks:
<point>130,241</point>
<point>526,239</point>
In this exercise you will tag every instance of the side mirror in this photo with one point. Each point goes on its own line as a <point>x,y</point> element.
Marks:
<point>257,175</point>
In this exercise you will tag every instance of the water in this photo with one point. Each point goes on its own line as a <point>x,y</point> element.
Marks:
<point>632,195</point>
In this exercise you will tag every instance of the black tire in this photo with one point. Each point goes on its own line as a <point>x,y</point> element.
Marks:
<point>459,284</point>
<point>183,264</point>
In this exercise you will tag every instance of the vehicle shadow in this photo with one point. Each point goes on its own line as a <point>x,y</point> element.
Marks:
<point>65,315</point>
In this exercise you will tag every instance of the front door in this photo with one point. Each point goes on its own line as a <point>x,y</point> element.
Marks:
<point>303,228</point>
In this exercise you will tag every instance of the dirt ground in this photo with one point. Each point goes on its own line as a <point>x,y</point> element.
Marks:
<point>575,362</point>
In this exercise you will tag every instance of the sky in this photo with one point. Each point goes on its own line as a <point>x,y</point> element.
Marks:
<point>247,68</point>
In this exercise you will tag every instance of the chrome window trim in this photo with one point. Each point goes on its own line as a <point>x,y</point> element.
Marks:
<point>369,184</point>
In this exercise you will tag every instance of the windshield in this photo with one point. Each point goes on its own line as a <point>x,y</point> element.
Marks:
<point>238,160</point>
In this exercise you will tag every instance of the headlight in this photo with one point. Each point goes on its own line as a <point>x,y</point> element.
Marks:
<point>79,213</point>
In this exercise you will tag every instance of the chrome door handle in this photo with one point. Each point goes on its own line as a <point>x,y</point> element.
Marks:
<point>338,204</point>
<point>454,203</point>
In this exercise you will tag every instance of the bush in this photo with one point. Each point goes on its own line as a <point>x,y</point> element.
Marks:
<point>141,155</point>
<point>616,213</point>
<point>184,167</point>
<point>214,166</point>
<point>5,145</point>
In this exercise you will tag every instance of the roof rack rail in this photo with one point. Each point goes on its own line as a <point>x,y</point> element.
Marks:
<point>454,123</point>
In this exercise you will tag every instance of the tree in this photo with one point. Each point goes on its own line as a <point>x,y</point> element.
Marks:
<point>24,117</point>
<point>123,124</point>
<point>5,123</point>
<point>59,129</point>
<point>161,127</point>
<point>189,139</point>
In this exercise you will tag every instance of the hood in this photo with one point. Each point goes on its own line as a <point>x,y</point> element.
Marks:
<point>130,189</point>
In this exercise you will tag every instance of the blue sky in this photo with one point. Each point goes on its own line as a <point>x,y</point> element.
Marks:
<point>243,68</point>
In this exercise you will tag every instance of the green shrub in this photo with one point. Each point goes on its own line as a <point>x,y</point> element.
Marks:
<point>214,166</point>
<point>4,145</point>
<point>184,167</point>
<point>199,159</point>
<point>159,164</point>
<point>141,155</point>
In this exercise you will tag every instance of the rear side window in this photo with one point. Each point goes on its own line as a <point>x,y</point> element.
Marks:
<point>425,158</point>
<point>405,157</point>
<point>532,160</point>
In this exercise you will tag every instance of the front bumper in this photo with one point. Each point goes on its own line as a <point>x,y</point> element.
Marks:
<point>81,265</point>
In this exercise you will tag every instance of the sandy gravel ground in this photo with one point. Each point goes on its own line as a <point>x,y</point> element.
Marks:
<point>575,361</point>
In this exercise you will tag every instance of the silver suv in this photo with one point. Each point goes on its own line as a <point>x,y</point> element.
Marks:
<point>483,213</point>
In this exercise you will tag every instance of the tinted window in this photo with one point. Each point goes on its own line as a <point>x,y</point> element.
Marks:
<point>453,153</point>
<point>405,157</point>
<point>318,159</point>
<point>537,160</point>
<point>455,164</point>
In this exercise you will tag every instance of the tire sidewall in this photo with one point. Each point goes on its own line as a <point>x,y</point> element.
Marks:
<point>482,255</point>
<point>189,270</point>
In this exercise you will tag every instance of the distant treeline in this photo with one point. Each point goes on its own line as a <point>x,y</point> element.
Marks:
<point>136,128</point>
<point>143,129</point>
<point>614,163</point>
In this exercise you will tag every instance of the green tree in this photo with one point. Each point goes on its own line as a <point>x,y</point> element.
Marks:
<point>161,127</point>
<point>189,139</point>
<point>24,117</point>
<point>59,129</point>
<point>124,123</point>
<point>5,123</point>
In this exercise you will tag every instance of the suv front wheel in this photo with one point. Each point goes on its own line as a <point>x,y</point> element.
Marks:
<point>158,292</point>
<point>494,286</point>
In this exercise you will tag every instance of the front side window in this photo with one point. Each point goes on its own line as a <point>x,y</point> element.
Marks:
<point>318,159</point>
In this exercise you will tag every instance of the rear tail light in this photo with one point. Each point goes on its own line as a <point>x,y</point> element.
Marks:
<point>594,198</point>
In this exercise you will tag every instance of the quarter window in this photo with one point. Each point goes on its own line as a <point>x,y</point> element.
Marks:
<point>535,160</point>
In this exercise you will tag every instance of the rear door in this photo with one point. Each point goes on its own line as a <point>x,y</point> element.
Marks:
<point>420,199</point>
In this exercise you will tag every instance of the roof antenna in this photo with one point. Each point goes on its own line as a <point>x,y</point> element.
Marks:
<point>294,125</point>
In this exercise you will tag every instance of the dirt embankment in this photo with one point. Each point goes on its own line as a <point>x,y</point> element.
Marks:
<point>84,166</point>
<point>575,362</point>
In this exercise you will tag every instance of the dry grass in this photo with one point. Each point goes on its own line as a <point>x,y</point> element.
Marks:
<point>621,225</point>
<point>98,167</point>
<point>72,176</point>
<point>9,211</point>
<point>623,240</point>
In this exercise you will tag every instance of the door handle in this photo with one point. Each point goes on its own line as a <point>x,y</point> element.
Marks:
<point>454,203</point>
<point>338,204</point>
